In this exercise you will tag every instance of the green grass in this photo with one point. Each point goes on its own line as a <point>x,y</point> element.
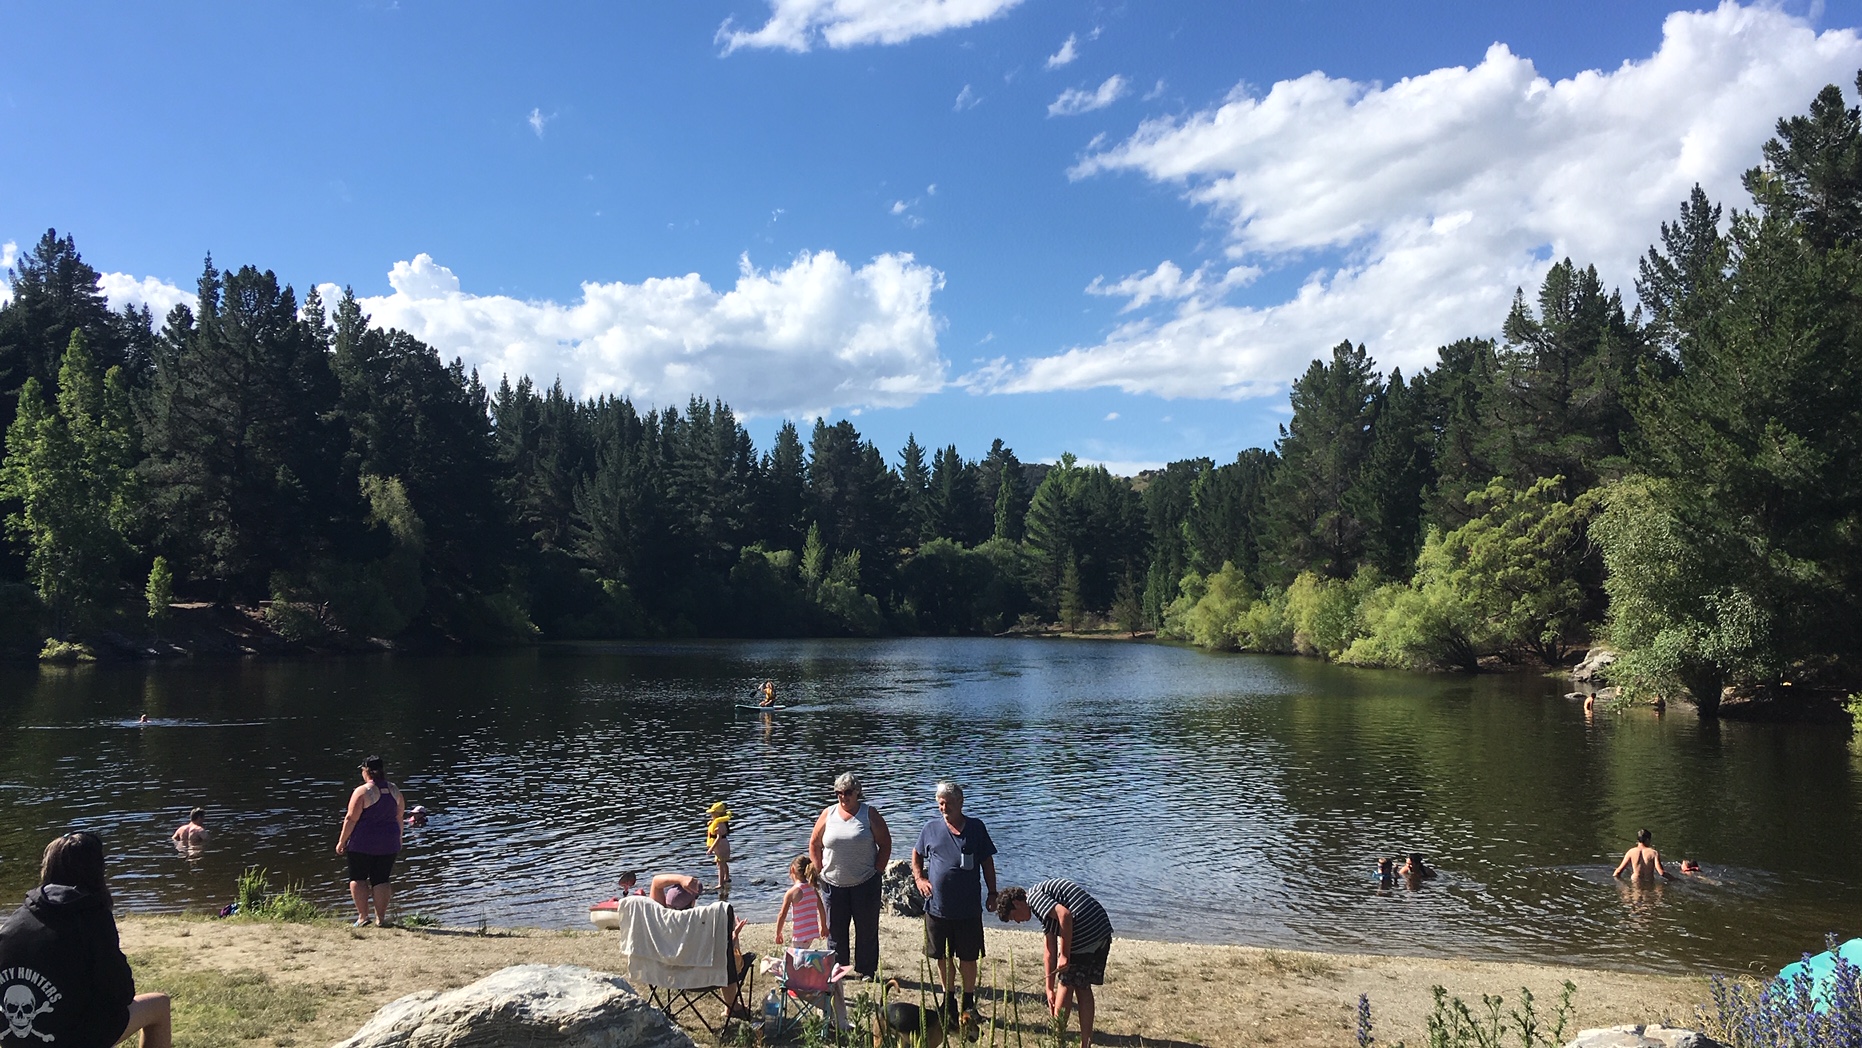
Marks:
<point>213,1008</point>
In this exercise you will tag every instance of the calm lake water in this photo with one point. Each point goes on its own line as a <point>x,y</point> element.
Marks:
<point>1229,799</point>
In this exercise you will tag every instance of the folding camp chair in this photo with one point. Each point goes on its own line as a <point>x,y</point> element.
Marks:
<point>687,959</point>
<point>808,983</point>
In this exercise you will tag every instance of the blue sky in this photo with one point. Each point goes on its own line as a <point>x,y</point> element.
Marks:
<point>1115,229</point>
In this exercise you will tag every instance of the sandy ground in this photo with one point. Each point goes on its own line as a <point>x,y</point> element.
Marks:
<point>1158,993</point>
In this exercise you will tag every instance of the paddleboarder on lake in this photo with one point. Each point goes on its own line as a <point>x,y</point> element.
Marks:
<point>769,694</point>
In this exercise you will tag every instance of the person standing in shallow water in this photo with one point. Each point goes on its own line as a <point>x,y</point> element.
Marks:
<point>193,832</point>
<point>1642,862</point>
<point>371,838</point>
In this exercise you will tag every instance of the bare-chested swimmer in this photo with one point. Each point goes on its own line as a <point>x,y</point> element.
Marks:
<point>1642,862</point>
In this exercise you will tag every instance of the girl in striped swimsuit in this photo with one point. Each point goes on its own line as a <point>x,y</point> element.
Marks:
<point>801,906</point>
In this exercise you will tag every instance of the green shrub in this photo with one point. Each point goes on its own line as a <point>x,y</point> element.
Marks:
<point>56,650</point>
<point>255,899</point>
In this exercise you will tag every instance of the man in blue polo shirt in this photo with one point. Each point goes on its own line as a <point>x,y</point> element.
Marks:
<point>952,860</point>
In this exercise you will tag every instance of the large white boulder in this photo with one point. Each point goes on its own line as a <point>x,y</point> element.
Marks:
<point>1596,660</point>
<point>525,1006</point>
<point>1654,1035</point>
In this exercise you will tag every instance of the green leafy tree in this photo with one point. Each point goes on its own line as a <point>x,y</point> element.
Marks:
<point>68,467</point>
<point>159,593</point>
<point>1736,556</point>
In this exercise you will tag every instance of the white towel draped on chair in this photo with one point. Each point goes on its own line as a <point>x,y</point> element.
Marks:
<point>683,949</point>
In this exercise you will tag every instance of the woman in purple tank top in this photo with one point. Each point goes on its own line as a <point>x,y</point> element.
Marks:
<point>371,838</point>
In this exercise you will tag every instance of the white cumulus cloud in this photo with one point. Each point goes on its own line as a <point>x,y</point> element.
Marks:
<point>811,337</point>
<point>1419,206</point>
<point>1075,100</point>
<point>121,290</point>
<point>1169,284</point>
<point>798,25</point>
<point>8,252</point>
<point>1069,51</point>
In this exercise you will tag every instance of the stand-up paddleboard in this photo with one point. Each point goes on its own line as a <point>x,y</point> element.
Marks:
<point>754,706</point>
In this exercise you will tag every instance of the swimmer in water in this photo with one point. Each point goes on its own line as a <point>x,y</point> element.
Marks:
<point>1642,862</point>
<point>1415,871</point>
<point>1386,872</point>
<point>193,832</point>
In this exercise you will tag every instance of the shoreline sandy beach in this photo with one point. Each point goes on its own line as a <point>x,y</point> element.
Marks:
<point>251,982</point>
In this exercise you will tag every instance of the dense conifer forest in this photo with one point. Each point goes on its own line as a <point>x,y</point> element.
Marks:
<point>1680,478</point>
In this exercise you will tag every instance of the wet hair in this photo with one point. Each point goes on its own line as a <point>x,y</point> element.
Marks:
<point>76,860</point>
<point>847,781</point>
<point>1006,900</point>
<point>947,788</point>
<point>1415,858</point>
<point>1643,836</point>
<point>803,869</point>
<point>197,815</point>
<point>1384,864</point>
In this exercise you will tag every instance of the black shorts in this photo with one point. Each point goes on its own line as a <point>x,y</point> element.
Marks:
<point>1086,969</point>
<point>961,937</point>
<point>370,869</point>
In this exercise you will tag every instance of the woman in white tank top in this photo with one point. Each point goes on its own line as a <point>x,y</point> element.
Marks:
<point>850,845</point>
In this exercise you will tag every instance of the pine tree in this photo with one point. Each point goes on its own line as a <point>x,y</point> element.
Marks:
<point>1318,518</point>
<point>915,487</point>
<point>55,293</point>
<point>1812,171</point>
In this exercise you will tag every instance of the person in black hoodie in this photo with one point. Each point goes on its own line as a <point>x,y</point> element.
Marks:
<point>64,982</point>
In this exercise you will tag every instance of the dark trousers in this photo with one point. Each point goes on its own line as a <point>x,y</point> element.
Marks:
<point>860,905</point>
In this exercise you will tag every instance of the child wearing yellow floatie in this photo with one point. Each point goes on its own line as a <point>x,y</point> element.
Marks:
<point>718,840</point>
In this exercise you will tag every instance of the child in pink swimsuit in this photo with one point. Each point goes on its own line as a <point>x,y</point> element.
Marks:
<point>801,906</point>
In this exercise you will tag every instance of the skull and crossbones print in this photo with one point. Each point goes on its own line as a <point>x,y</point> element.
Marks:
<point>23,1009</point>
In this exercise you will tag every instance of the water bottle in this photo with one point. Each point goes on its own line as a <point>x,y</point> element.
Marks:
<point>772,1005</point>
